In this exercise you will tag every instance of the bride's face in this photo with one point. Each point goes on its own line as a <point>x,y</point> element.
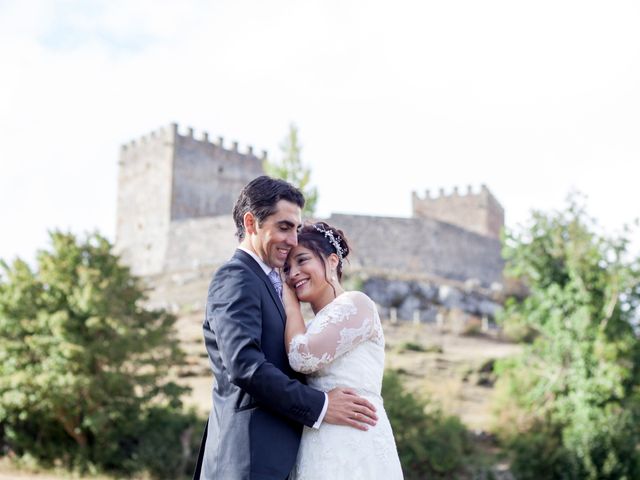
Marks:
<point>306,274</point>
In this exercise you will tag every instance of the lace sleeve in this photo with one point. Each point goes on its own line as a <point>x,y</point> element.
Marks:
<point>337,329</point>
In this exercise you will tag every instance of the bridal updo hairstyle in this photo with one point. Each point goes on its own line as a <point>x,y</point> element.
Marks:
<point>310,236</point>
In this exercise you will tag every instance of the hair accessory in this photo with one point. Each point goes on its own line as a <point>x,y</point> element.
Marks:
<point>332,239</point>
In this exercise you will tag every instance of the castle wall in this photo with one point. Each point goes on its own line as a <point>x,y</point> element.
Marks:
<point>144,201</point>
<point>207,177</point>
<point>481,213</point>
<point>418,247</point>
<point>200,242</point>
<point>403,247</point>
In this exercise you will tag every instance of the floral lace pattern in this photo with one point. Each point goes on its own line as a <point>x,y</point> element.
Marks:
<point>348,321</point>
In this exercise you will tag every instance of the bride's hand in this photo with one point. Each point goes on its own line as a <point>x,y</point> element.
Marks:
<point>289,297</point>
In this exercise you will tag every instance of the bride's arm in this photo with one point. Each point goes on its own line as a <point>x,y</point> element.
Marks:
<point>344,326</point>
<point>295,323</point>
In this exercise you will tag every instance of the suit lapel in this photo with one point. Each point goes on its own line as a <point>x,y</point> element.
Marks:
<point>245,258</point>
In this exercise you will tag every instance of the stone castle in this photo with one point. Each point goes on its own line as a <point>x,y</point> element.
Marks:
<point>174,228</point>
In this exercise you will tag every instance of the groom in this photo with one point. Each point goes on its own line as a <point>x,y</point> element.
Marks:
<point>259,403</point>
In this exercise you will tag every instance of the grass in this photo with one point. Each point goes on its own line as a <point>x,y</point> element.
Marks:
<point>418,347</point>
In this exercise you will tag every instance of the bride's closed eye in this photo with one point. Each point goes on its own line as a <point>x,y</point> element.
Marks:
<point>302,258</point>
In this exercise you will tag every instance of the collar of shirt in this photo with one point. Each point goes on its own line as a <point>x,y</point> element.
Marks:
<point>266,268</point>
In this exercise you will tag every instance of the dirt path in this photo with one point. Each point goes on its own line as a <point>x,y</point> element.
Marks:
<point>447,370</point>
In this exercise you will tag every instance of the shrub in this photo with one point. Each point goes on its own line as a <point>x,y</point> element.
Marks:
<point>430,444</point>
<point>168,442</point>
<point>412,347</point>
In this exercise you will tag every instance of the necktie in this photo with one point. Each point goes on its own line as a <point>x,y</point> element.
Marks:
<point>274,276</point>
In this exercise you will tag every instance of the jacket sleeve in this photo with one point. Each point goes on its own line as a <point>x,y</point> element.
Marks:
<point>234,313</point>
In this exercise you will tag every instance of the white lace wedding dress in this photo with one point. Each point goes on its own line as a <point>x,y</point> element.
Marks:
<point>344,347</point>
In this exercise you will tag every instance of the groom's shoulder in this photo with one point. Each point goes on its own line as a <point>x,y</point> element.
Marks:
<point>233,275</point>
<point>236,266</point>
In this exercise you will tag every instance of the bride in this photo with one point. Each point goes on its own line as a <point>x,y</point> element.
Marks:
<point>343,345</point>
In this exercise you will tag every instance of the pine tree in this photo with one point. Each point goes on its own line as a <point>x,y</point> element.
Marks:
<point>81,358</point>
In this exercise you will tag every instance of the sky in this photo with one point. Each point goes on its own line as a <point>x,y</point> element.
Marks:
<point>533,99</point>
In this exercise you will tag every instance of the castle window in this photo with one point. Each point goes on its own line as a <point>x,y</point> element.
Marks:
<point>220,169</point>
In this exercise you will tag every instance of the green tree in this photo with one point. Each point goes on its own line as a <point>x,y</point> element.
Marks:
<point>291,169</point>
<point>569,405</point>
<point>82,361</point>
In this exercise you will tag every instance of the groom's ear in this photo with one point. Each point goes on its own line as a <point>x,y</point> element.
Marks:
<point>249,221</point>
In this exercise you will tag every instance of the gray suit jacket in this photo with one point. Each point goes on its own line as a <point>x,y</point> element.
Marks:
<point>259,403</point>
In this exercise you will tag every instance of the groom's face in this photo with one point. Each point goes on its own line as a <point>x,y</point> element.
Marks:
<point>278,234</point>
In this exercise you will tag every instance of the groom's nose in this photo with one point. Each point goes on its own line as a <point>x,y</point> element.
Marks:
<point>292,238</point>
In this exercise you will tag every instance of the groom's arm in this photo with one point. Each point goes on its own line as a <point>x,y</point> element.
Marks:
<point>234,314</point>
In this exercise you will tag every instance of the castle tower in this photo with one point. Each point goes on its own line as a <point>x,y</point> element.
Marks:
<point>167,177</point>
<point>478,212</point>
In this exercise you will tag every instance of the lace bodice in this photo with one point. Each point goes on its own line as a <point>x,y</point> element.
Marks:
<point>343,346</point>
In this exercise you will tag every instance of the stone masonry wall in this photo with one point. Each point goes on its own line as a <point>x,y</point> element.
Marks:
<point>200,242</point>
<point>208,177</point>
<point>144,201</point>
<point>478,212</point>
<point>417,247</point>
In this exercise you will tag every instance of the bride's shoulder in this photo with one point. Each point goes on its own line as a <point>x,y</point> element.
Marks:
<point>360,299</point>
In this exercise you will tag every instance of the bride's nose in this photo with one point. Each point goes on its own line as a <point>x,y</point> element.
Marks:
<point>293,272</point>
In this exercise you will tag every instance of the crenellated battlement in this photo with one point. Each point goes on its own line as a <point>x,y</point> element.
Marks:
<point>475,210</point>
<point>173,131</point>
<point>455,192</point>
<point>161,134</point>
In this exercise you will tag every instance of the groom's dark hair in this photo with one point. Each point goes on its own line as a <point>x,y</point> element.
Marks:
<point>260,196</point>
